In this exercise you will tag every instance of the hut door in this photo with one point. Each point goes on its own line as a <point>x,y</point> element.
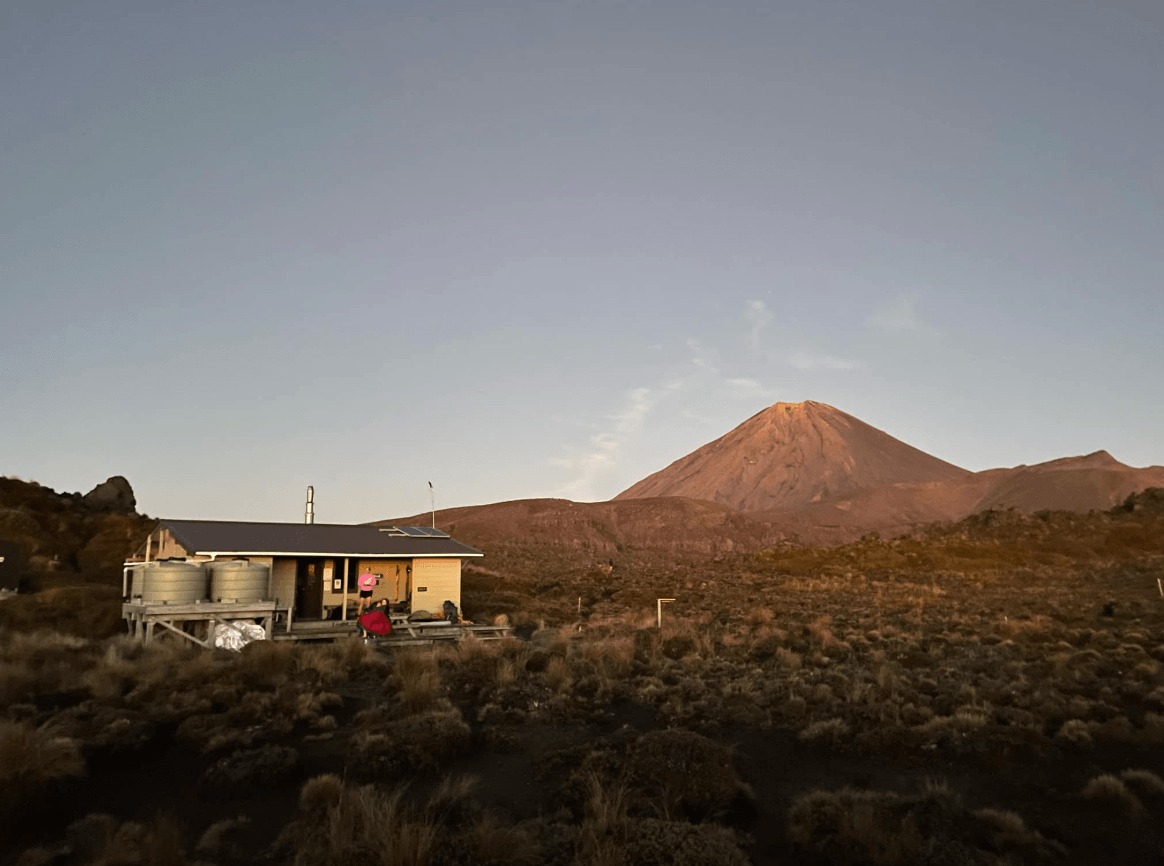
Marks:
<point>309,589</point>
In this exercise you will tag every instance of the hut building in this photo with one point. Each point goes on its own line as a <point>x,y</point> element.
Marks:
<point>314,567</point>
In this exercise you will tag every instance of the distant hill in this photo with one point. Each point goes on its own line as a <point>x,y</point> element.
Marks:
<point>1094,482</point>
<point>803,473</point>
<point>603,528</point>
<point>792,455</point>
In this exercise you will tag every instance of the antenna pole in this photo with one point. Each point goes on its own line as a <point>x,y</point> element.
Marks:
<point>432,496</point>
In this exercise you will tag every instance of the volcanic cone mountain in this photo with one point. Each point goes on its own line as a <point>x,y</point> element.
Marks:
<point>790,455</point>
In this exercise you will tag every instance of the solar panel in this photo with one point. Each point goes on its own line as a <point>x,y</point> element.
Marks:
<point>414,531</point>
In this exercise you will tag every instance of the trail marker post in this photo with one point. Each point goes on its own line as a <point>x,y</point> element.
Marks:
<point>659,606</point>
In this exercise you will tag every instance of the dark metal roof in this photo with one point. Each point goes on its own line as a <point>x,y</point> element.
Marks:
<point>320,539</point>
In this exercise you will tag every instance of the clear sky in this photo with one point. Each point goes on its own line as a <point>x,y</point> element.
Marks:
<point>546,248</point>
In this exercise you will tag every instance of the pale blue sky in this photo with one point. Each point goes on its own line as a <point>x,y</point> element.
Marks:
<point>546,248</point>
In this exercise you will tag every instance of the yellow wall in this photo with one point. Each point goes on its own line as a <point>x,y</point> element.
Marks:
<point>163,545</point>
<point>333,569</point>
<point>283,581</point>
<point>386,586</point>
<point>433,582</point>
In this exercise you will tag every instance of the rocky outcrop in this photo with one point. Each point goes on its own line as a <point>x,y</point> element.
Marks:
<point>113,494</point>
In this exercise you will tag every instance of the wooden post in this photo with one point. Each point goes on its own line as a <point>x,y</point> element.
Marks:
<point>179,631</point>
<point>344,615</point>
<point>267,624</point>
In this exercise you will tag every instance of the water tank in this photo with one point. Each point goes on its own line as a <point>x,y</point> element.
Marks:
<point>172,580</point>
<point>239,580</point>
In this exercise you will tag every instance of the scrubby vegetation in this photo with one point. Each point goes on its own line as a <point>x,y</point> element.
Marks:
<point>975,695</point>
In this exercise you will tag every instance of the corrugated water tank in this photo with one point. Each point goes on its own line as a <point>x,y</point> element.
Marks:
<point>239,580</point>
<point>172,580</point>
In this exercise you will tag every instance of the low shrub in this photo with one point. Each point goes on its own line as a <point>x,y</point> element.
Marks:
<point>687,774</point>
<point>851,826</point>
<point>655,842</point>
<point>385,749</point>
<point>266,766</point>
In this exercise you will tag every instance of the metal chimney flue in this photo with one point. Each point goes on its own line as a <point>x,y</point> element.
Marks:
<point>309,517</point>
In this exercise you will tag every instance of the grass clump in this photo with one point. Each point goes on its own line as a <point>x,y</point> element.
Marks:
<point>1145,782</point>
<point>833,732</point>
<point>29,756</point>
<point>360,825</point>
<point>1112,790</point>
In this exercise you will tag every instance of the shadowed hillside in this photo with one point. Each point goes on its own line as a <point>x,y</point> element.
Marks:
<point>604,528</point>
<point>1095,482</point>
<point>69,538</point>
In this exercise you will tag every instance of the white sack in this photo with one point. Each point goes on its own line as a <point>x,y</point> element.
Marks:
<point>226,637</point>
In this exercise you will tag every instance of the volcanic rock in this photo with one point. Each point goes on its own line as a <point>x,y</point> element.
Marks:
<point>113,494</point>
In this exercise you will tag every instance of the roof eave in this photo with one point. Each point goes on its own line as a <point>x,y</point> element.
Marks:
<point>446,555</point>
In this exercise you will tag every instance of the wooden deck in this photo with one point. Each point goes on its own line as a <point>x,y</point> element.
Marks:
<point>404,633</point>
<point>194,622</point>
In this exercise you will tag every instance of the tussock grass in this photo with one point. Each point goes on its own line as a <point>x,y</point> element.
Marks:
<point>213,839</point>
<point>612,657</point>
<point>417,680</point>
<point>474,648</point>
<point>1111,789</point>
<point>492,842</point>
<point>364,824</point>
<point>1145,782</point>
<point>29,756</point>
<point>99,840</point>
<point>559,675</point>
<point>1074,732</point>
<point>834,732</point>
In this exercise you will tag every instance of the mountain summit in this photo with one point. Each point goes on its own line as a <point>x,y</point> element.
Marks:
<point>790,455</point>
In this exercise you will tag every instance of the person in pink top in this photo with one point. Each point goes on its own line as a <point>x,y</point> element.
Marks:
<point>366,583</point>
